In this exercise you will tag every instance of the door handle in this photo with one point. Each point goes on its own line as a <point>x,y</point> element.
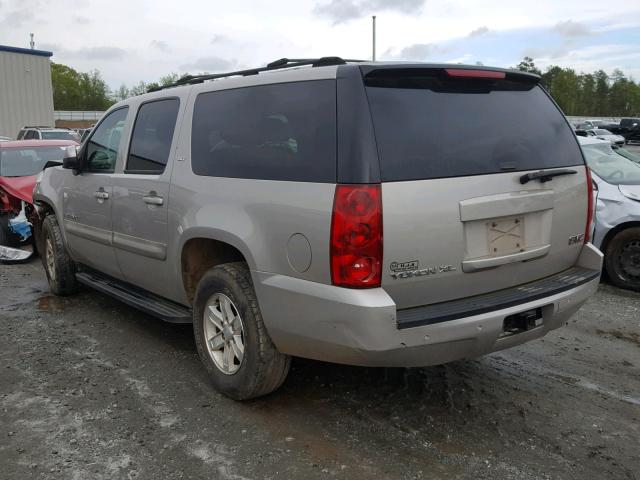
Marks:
<point>153,199</point>
<point>101,194</point>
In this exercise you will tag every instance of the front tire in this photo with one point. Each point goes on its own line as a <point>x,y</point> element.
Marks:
<point>7,237</point>
<point>231,338</point>
<point>60,269</point>
<point>622,259</point>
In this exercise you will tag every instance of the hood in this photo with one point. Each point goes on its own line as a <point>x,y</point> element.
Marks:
<point>19,187</point>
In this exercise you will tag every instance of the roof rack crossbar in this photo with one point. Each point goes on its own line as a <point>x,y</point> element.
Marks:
<point>275,65</point>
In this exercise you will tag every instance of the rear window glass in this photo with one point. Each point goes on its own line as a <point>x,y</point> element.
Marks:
<point>272,132</point>
<point>60,136</point>
<point>430,127</point>
<point>152,136</point>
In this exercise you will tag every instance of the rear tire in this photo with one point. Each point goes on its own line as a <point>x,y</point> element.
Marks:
<point>60,269</point>
<point>227,319</point>
<point>622,259</point>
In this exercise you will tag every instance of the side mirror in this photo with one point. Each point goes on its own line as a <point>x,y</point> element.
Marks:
<point>70,160</point>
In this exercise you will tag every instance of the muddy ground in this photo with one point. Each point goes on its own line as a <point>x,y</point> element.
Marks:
<point>92,389</point>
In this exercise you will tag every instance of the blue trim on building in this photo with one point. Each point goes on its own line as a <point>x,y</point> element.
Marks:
<point>25,51</point>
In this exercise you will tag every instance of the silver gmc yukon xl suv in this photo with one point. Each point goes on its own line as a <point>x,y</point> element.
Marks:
<point>376,214</point>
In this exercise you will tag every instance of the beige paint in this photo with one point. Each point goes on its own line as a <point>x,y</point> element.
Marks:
<point>26,94</point>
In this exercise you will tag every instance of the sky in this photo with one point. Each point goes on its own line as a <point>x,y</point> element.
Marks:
<point>133,40</point>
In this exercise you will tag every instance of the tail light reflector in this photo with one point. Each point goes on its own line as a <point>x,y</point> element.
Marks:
<point>356,236</point>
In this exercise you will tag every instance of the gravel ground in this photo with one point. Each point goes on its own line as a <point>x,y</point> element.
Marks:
<point>91,388</point>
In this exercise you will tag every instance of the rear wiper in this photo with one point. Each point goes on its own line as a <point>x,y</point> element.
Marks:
<point>545,176</point>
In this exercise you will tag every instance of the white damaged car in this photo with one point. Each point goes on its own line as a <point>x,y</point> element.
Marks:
<point>617,217</point>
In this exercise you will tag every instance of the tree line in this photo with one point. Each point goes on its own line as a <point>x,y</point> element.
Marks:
<point>580,94</point>
<point>589,94</point>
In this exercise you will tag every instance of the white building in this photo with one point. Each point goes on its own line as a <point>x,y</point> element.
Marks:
<point>26,94</point>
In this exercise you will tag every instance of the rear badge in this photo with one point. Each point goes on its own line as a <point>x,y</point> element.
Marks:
<point>410,269</point>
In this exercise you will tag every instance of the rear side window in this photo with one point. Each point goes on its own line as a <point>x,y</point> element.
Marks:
<point>152,136</point>
<point>427,126</point>
<point>271,132</point>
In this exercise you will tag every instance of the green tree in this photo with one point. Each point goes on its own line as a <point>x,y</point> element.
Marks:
<point>73,90</point>
<point>527,65</point>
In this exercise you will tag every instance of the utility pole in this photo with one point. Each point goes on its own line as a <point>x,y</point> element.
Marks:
<point>373,18</point>
<point>32,43</point>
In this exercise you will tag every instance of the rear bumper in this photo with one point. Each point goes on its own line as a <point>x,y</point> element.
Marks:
<point>360,327</point>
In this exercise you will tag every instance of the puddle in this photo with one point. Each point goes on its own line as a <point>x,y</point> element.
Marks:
<point>50,303</point>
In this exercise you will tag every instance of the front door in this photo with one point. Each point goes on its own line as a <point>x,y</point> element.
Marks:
<point>88,197</point>
<point>141,196</point>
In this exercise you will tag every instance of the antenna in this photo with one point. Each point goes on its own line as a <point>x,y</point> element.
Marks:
<point>373,22</point>
<point>32,43</point>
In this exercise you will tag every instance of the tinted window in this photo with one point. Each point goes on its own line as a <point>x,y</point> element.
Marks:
<point>102,147</point>
<point>20,162</point>
<point>31,135</point>
<point>152,136</point>
<point>61,136</point>
<point>430,127</point>
<point>272,132</point>
<point>20,135</point>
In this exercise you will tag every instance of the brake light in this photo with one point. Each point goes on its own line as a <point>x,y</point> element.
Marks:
<point>590,206</point>
<point>468,73</point>
<point>356,236</point>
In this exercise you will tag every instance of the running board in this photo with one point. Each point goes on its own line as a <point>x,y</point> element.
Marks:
<point>136,297</point>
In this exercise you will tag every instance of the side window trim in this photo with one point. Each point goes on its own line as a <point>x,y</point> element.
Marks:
<point>126,169</point>
<point>85,144</point>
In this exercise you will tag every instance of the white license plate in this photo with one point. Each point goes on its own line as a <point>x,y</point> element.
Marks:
<point>506,236</point>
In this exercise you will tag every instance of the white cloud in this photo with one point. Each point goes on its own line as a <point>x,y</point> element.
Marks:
<point>570,28</point>
<point>214,36</point>
<point>478,32</point>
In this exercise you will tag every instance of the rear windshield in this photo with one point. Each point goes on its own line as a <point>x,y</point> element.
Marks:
<point>427,126</point>
<point>60,136</point>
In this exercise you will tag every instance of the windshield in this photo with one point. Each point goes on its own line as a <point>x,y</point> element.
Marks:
<point>626,153</point>
<point>601,131</point>
<point>611,167</point>
<point>62,135</point>
<point>23,162</point>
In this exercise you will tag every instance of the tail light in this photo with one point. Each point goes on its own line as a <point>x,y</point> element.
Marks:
<point>590,206</point>
<point>356,236</point>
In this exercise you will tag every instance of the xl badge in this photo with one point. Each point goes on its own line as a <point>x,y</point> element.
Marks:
<point>410,269</point>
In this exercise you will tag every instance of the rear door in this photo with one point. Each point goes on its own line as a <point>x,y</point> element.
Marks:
<point>141,197</point>
<point>458,220</point>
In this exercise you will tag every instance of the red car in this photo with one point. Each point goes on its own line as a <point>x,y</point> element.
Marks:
<point>20,163</point>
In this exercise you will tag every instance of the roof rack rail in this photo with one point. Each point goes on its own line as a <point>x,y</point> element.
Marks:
<point>275,65</point>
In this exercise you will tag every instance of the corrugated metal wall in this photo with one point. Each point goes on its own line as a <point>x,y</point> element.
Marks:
<point>26,95</point>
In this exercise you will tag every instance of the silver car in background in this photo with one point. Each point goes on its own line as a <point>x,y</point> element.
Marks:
<point>602,134</point>
<point>617,218</point>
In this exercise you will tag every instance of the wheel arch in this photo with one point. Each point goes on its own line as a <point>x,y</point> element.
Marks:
<point>204,250</point>
<point>614,231</point>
